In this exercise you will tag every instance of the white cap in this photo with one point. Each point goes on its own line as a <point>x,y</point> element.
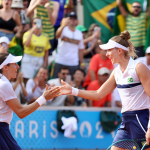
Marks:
<point>148,50</point>
<point>10,59</point>
<point>4,39</point>
<point>17,4</point>
<point>112,44</point>
<point>103,71</point>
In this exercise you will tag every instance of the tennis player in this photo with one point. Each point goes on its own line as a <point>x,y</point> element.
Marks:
<point>10,103</point>
<point>132,78</point>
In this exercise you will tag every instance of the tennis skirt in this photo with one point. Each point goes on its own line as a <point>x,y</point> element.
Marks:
<point>134,126</point>
<point>7,142</point>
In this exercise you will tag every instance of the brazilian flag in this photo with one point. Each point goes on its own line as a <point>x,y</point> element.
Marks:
<point>102,13</point>
<point>119,21</point>
<point>107,15</point>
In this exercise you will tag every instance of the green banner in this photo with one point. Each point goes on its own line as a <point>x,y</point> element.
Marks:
<point>102,12</point>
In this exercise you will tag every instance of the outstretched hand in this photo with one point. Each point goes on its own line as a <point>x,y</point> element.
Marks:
<point>50,93</point>
<point>65,89</point>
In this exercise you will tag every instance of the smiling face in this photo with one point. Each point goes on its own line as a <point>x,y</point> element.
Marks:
<point>42,74</point>
<point>112,54</point>
<point>12,70</point>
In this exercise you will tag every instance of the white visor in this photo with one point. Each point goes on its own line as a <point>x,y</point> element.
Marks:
<point>112,44</point>
<point>10,59</point>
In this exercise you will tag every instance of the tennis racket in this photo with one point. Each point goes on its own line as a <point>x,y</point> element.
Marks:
<point>129,144</point>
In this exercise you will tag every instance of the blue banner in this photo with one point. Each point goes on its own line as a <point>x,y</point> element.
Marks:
<point>39,131</point>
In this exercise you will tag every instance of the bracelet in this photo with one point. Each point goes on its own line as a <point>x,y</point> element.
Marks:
<point>41,100</point>
<point>75,91</point>
<point>149,124</point>
<point>81,64</point>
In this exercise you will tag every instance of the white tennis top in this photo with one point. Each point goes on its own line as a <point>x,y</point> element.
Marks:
<point>130,89</point>
<point>6,93</point>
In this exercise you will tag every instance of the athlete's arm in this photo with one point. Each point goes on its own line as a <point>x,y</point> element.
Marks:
<point>22,112</point>
<point>104,90</point>
<point>144,75</point>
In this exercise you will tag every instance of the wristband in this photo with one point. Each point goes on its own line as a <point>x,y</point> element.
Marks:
<point>75,91</point>
<point>149,124</point>
<point>41,100</point>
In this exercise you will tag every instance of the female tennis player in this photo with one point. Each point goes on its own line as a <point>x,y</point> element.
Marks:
<point>132,78</point>
<point>10,103</point>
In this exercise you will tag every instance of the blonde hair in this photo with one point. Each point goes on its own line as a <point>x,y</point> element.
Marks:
<point>123,39</point>
<point>91,29</point>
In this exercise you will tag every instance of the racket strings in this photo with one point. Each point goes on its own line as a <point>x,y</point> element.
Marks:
<point>128,145</point>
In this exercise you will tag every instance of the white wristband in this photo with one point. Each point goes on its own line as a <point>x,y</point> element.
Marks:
<point>41,100</point>
<point>75,91</point>
<point>149,124</point>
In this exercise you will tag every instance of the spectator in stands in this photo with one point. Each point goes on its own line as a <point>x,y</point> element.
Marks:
<point>36,47</point>
<point>116,100</point>
<point>4,44</point>
<point>18,6</point>
<point>70,45</point>
<point>59,18</point>
<point>78,78</point>
<point>103,75</point>
<point>48,12</point>
<point>9,19</point>
<point>97,61</point>
<point>146,58</point>
<point>135,25</point>
<point>25,4</point>
<point>60,100</point>
<point>36,87</point>
<point>19,88</point>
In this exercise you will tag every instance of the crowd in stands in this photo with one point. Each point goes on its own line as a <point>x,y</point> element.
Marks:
<point>56,47</point>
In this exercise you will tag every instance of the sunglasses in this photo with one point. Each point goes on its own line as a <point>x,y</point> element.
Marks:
<point>137,7</point>
<point>72,18</point>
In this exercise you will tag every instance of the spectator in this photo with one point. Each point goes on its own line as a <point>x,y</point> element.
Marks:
<point>36,47</point>
<point>59,18</point>
<point>103,75</point>
<point>18,6</point>
<point>48,12</point>
<point>36,87</point>
<point>9,19</point>
<point>70,45</point>
<point>19,88</point>
<point>4,44</point>
<point>97,61</point>
<point>146,58</point>
<point>116,100</point>
<point>60,100</point>
<point>135,25</point>
<point>78,77</point>
<point>25,4</point>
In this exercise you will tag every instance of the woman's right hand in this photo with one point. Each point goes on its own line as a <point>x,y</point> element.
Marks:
<point>65,89</point>
<point>51,93</point>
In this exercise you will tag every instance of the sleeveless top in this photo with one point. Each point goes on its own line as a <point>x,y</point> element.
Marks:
<point>7,25</point>
<point>131,91</point>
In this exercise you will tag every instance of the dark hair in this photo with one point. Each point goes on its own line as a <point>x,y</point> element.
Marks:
<point>79,69</point>
<point>123,39</point>
<point>64,68</point>
<point>3,56</point>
